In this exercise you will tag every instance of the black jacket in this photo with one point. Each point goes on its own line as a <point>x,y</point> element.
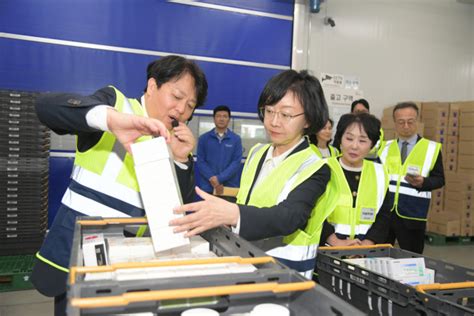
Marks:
<point>65,113</point>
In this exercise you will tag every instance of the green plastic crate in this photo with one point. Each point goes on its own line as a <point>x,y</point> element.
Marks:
<point>15,272</point>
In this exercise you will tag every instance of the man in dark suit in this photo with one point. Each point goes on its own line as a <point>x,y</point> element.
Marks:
<point>415,166</point>
<point>103,181</point>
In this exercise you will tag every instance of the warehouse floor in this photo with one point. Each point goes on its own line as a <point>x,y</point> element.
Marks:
<point>30,302</point>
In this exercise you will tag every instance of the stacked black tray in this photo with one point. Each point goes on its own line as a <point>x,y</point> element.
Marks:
<point>24,169</point>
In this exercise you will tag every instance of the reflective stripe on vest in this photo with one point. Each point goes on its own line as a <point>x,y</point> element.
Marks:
<point>409,203</point>
<point>333,152</point>
<point>300,258</point>
<point>106,171</point>
<point>297,250</point>
<point>344,229</point>
<point>373,185</point>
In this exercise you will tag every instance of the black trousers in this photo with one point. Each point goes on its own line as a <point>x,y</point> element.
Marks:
<point>51,282</point>
<point>409,234</point>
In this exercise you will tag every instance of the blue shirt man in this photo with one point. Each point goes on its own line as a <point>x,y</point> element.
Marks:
<point>219,155</point>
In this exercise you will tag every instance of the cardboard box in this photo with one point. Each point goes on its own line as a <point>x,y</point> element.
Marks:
<point>406,267</point>
<point>466,162</point>
<point>453,121</point>
<point>458,195</point>
<point>465,216</point>
<point>388,111</point>
<point>444,217</point>
<point>445,223</point>
<point>446,229</point>
<point>437,194</point>
<point>159,190</point>
<point>457,181</point>
<point>450,166</point>
<point>457,206</point>
<point>467,223</point>
<point>453,130</point>
<point>432,213</point>
<point>450,162</point>
<point>466,230</point>
<point>454,111</point>
<point>440,122</point>
<point>466,147</point>
<point>434,131</point>
<point>466,119</point>
<point>421,129</point>
<point>387,123</point>
<point>435,208</point>
<point>94,250</point>
<point>461,185</point>
<point>388,134</point>
<point>437,201</point>
<point>466,133</point>
<point>451,145</point>
<point>437,138</point>
<point>435,110</point>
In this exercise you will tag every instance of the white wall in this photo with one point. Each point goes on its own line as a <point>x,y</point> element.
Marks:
<point>401,50</point>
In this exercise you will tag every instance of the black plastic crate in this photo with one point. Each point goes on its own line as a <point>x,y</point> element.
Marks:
<point>15,236</point>
<point>25,135</point>
<point>27,129</point>
<point>26,246</point>
<point>24,182</point>
<point>38,175</point>
<point>17,104</point>
<point>36,144</point>
<point>24,201</point>
<point>37,219</point>
<point>372,292</point>
<point>27,231</point>
<point>17,94</point>
<point>8,154</point>
<point>24,211</point>
<point>36,223</point>
<point>39,189</point>
<point>446,299</point>
<point>11,120</point>
<point>34,149</point>
<point>37,148</point>
<point>313,300</point>
<point>16,112</point>
<point>24,164</point>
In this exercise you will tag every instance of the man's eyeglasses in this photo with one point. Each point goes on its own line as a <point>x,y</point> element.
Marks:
<point>269,113</point>
<point>409,122</point>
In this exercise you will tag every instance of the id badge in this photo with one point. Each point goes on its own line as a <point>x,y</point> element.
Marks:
<point>413,171</point>
<point>367,214</point>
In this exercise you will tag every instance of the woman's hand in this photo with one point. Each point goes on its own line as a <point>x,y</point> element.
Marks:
<point>336,242</point>
<point>367,242</point>
<point>209,213</point>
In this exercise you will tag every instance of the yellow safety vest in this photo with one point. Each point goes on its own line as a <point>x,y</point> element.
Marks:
<point>103,183</point>
<point>298,249</point>
<point>373,185</point>
<point>409,203</point>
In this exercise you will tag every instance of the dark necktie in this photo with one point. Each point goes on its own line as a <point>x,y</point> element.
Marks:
<point>404,151</point>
